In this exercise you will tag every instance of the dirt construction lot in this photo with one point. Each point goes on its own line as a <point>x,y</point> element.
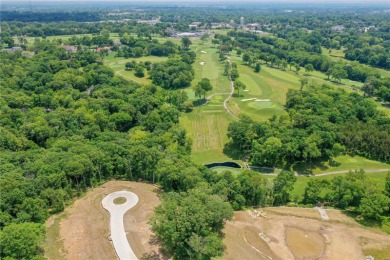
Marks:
<point>84,229</point>
<point>297,233</point>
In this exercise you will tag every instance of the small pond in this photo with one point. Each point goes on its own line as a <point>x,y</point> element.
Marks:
<point>225,164</point>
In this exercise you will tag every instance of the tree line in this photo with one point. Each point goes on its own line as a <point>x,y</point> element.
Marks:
<point>321,123</point>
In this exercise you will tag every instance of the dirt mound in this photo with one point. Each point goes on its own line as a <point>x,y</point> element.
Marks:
<point>298,233</point>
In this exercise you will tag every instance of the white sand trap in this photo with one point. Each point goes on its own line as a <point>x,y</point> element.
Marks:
<point>203,51</point>
<point>246,90</point>
<point>248,99</point>
<point>202,63</point>
<point>262,100</point>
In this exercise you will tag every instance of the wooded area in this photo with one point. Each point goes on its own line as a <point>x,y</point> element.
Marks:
<point>70,122</point>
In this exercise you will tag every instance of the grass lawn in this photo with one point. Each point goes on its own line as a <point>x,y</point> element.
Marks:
<point>270,86</point>
<point>207,65</point>
<point>220,169</point>
<point>341,163</point>
<point>118,65</point>
<point>207,125</point>
<point>335,55</point>
<point>54,245</point>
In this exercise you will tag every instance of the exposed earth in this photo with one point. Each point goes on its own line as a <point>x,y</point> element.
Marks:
<point>298,233</point>
<point>284,233</point>
<point>85,229</point>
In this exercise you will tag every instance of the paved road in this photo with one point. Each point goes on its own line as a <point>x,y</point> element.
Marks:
<point>118,234</point>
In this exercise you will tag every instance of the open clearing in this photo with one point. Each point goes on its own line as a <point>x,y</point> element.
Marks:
<point>82,231</point>
<point>298,233</point>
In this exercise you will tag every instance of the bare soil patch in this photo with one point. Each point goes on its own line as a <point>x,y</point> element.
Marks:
<point>304,244</point>
<point>299,233</point>
<point>85,228</point>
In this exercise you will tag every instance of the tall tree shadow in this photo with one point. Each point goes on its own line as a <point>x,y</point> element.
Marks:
<point>233,151</point>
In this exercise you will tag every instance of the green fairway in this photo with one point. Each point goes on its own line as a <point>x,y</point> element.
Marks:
<point>220,169</point>
<point>118,65</point>
<point>207,125</point>
<point>340,163</point>
<point>267,91</point>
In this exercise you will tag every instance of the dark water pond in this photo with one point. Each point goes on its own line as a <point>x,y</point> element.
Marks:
<point>226,164</point>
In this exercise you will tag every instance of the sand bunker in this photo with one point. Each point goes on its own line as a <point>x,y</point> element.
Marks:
<point>305,244</point>
<point>203,51</point>
<point>255,99</point>
<point>202,63</point>
<point>248,99</point>
<point>246,90</point>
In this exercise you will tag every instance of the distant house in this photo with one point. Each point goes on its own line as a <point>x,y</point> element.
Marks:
<point>339,28</point>
<point>253,26</point>
<point>69,48</point>
<point>13,49</point>
<point>194,25</point>
<point>188,34</point>
<point>105,48</point>
<point>257,32</point>
<point>150,22</point>
<point>218,25</point>
<point>117,42</point>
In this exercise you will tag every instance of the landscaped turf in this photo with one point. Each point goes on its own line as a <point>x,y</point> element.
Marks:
<point>118,65</point>
<point>269,84</point>
<point>207,125</point>
<point>341,163</point>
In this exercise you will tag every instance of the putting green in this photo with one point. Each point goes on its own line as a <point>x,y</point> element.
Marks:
<point>261,104</point>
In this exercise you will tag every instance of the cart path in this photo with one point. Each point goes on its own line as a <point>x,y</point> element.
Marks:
<point>313,175</point>
<point>231,94</point>
<point>117,212</point>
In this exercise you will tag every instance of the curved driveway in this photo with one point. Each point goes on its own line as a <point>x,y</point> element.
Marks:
<point>117,212</point>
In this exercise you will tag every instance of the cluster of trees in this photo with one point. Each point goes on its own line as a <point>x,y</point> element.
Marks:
<point>137,47</point>
<point>67,124</point>
<point>355,190</point>
<point>231,71</point>
<point>175,73</point>
<point>282,53</point>
<point>321,123</point>
<point>374,55</point>
<point>189,223</point>
<point>203,86</point>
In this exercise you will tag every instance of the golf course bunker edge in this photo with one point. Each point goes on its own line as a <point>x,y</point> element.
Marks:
<point>117,212</point>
